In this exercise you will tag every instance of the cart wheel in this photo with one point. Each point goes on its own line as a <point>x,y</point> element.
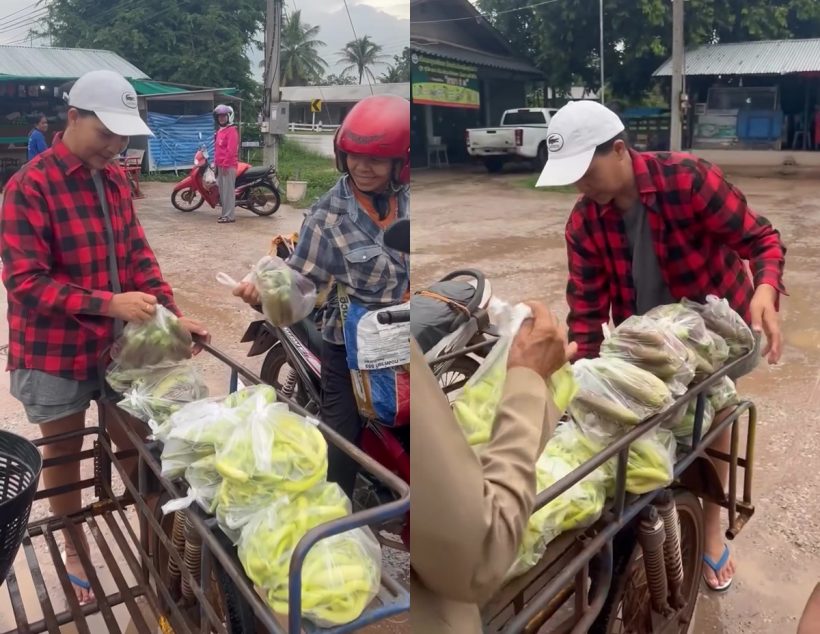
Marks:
<point>627,608</point>
<point>459,372</point>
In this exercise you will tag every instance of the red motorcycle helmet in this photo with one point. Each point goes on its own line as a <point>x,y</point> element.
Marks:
<point>376,126</point>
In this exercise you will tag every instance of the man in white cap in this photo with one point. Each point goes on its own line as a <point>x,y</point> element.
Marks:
<point>651,229</point>
<point>76,266</point>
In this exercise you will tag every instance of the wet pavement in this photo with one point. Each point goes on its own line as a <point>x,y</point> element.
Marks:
<point>515,235</point>
<point>191,248</point>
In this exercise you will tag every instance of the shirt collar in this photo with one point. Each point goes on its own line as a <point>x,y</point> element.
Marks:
<point>69,162</point>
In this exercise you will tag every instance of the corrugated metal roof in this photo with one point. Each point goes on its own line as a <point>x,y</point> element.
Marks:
<point>39,62</point>
<point>342,94</point>
<point>477,58</point>
<point>767,57</point>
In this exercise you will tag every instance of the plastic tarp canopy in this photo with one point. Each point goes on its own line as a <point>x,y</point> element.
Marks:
<point>177,138</point>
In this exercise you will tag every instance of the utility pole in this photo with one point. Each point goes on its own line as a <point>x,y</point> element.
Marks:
<point>675,128</point>
<point>273,70</point>
<point>601,26</point>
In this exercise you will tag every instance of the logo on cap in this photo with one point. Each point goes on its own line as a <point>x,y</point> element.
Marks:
<point>555,142</point>
<point>129,99</point>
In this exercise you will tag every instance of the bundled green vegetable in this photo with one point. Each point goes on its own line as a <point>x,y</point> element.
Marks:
<point>160,340</point>
<point>203,485</point>
<point>723,320</point>
<point>723,394</point>
<point>643,342</point>
<point>611,390</point>
<point>341,574</point>
<point>276,447</point>
<point>651,462</point>
<point>287,296</point>
<point>578,507</point>
<point>689,327</point>
<point>159,393</point>
<point>684,427</point>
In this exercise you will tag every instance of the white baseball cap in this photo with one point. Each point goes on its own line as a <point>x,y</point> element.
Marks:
<point>109,96</point>
<point>574,133</point>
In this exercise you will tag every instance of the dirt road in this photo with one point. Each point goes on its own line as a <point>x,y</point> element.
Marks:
<point>515,235</point>
<point>191,248</point>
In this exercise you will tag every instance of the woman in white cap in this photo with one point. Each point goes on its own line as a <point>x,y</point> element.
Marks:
<point>76,266</point>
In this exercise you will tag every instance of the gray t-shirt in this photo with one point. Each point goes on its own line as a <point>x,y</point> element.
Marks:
<point>650,288</point>
<point>113,270</point>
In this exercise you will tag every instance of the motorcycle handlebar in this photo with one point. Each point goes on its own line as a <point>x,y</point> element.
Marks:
<point>394,316</point>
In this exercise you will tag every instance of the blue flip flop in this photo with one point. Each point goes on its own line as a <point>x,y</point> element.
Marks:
<point>77,581</point>
<point>716,567</point>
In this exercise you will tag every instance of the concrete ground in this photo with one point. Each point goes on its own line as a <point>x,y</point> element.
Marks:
<point>467,218</point>
<point>191,248</point>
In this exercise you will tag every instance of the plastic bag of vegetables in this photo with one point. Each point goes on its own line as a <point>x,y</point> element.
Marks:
<point>683,428</point>
<point>475,407</point>
<point>688,326</point>
<point>341,574</point>
<point>723,394</point>
<point>723,320</point>
<point>643,342</point>
<point>203,485</point>
<point>159,340</point>
<point>611,390</point>
<point>161,392</point>
<point>651,462</point>
<point>578,507</point>
<point>274,447</point>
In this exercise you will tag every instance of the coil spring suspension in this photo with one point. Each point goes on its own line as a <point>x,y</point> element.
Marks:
<point>193,558</point>
<point>651,536</point>
<point>178,542</point>
<point>672,548</point>
<point>289,386</point>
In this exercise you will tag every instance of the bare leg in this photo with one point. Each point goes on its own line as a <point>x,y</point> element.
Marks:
<point>67,503</point>
<point>810,623</point>
<point>715,541</point>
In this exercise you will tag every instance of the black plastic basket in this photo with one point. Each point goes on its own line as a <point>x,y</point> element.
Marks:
<point>20,466</point>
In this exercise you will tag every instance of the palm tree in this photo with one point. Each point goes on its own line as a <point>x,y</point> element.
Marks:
<point>299,55</point>
<point>360,55</point>
<point>393,75</point>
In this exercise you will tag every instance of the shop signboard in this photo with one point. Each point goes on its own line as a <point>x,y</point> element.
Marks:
<point>439,82</point>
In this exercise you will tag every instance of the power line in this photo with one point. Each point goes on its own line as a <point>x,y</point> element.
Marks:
<point>486,16</point>
<point>31,6</point>
<point>23,22</point>
<point>356,37</point>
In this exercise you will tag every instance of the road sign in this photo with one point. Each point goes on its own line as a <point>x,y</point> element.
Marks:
<point>316,105</point>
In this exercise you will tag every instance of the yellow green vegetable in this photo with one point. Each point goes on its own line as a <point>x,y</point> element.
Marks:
<point>160,340</point>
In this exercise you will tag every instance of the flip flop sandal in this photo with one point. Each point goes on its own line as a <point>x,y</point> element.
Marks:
<point>225,220</point>
<point>80,583</point>
<point>716,567</point>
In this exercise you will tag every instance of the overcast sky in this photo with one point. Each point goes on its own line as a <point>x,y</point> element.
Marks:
<point>385,21</point>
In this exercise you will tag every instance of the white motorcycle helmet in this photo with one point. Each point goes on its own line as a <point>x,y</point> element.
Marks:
<point>226,110</point>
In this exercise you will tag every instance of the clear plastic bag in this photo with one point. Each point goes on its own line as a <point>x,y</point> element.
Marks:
<point>613,391</point>
<point>723,394</point>
<point>723,320</point>
<point>643,342</point>
<point>476,406</point>
<point>578,507</point>
<point>158,341</point>
<point>341,574</point>
<point>275,447</point>
<point>683,428</point>
<point>286,295</point>
<point>162,392</point>
<point>651,462</point>
<point>203,485</point>
<point>688,326</point>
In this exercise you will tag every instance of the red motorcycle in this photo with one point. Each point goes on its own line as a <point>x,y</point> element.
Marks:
<point>257,188</point>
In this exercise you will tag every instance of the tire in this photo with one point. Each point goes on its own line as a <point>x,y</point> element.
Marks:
<point>541,158</point>
<point>459,372</point>
<point>629,579</point>
<point>493,164</point>
<point>271,196</point>
<point>273,373</point>
<point>178,199</point>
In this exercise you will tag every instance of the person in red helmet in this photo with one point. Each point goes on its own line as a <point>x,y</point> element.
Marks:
<point>341,246</point>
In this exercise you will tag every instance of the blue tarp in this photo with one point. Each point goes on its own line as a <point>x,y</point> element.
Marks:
<point>176,139</point>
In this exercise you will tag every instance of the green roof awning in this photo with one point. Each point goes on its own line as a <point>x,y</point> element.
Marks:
<point>147,88</point>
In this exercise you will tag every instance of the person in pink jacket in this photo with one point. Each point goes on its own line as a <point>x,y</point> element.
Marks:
<point>226,157</point>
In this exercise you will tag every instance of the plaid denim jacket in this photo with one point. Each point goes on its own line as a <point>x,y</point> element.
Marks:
<point>340,243</point>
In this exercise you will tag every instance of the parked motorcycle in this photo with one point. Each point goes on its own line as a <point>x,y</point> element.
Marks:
<point>257,188</point>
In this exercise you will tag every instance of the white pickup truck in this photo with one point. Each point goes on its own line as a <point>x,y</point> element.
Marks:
<point>522,136</point>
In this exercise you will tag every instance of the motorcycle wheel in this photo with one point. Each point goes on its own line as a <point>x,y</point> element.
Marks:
<point>187,199</point>
<point>627,608</point>
<point>276,371</point>
<point>263,199</point>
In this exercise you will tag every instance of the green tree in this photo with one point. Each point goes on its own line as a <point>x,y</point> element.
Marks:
<point>360,55</point>
<point>562,39</point>
<point>342,79</point>
<point>195,42</point>
<point>399,70</point>
<point>301,62</point>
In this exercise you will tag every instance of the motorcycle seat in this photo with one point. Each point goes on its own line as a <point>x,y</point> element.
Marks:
<point>253,173</point>
<point>433,319</point>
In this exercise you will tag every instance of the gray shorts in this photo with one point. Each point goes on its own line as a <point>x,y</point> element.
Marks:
<point>48,397</point>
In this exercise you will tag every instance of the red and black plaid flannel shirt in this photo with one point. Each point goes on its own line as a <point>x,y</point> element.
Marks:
<point>702,231</point>
<point>55,266</point>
